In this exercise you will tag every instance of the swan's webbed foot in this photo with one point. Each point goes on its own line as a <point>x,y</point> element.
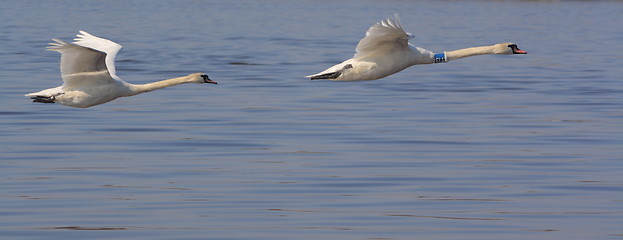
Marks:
<point>332,75</point>
<point>43,99</point>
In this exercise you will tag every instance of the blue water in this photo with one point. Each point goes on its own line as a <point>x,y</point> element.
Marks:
<point>489,147</point>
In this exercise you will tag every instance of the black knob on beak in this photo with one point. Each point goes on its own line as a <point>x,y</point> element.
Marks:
<point>207,79</point>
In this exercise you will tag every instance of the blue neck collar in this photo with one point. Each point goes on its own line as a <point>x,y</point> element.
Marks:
<point>440,58</point>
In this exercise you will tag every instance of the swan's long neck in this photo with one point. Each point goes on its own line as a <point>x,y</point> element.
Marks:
<point>141,88</point>
<point>468,52</point>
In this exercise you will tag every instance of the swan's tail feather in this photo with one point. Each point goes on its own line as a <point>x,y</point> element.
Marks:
<point>47,93</point>
<point>46,96</point>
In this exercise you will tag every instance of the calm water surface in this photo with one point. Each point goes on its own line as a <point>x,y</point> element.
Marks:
<point>490,147</point>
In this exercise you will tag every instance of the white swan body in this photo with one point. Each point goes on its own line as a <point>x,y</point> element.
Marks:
<point>385,50</point>
<point>89,76</point>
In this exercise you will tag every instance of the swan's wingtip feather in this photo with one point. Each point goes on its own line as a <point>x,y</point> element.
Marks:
<point>390,22</point>
<point>57,42</point>
<point>88,40</point>
<point>82,34</point>
<point>396,17</point>
<point>394,21</point>
<point>56,45</point>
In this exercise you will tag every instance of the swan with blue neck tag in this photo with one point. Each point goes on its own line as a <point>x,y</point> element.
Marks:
<point>386,50</point>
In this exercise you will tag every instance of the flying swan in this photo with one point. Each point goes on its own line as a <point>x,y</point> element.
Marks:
<point>385,50</point>
<point>89,78</point>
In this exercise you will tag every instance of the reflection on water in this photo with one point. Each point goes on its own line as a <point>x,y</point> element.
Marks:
<point>491,147</point>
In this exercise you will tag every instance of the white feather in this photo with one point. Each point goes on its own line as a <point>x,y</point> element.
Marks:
<point>82,66</point>
<point>385,36</point>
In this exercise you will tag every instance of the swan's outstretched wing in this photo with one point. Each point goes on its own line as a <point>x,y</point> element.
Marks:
<point>106,46</point>
<point>81,66</point>
<point>384,36</point>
